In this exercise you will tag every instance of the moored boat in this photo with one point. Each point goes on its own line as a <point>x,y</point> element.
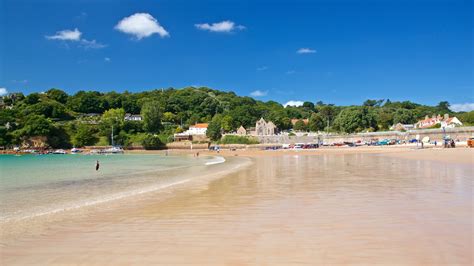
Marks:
<point>59,151</point>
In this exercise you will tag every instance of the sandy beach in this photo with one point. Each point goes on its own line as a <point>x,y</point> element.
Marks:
<point>391,206</point>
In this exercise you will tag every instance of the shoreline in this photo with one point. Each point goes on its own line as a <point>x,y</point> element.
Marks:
<point>258,203</point>
<point>17,228</point>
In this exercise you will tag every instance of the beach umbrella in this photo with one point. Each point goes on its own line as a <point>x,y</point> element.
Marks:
<point>426,139</point>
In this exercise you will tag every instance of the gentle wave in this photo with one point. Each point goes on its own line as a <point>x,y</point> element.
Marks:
<point>117,196</point>
<point>216,160</point>
<point>94,202</point>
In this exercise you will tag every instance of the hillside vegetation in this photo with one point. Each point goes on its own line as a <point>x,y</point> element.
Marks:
<point>87,117</point>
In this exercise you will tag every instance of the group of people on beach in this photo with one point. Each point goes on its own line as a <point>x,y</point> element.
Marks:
<point>449,143</point>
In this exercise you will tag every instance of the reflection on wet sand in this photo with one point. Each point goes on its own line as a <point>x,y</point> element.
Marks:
<point>332,209</point>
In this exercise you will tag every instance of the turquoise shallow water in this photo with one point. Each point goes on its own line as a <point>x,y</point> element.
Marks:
<point>32,185</point>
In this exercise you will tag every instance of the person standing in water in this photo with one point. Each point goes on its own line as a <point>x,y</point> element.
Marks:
<point>97,165</point>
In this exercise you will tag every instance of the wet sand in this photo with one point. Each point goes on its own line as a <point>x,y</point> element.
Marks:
<point>340,207</point>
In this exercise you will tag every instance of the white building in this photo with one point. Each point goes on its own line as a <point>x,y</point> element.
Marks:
<point>444,121</point>
<point>130,117</point>
<point>197,129</point>
<point>451,122</point>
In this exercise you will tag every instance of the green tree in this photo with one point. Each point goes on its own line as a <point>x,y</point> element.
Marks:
<point>132,127</point>
<point>328,113</point>
<point>316,122</point>
<point>88,102</point>
<point>152,113</point>
<point>404,116</point>
<point>59,137</point>
<point>467,118</point>
<point>214,129</point>
<point>48,108</point>
<point>112,119</point>
<point>373,103</point>
<point>227,123</point>
<point>355,119</point>
<point>309,106</point>
<point>443,107</point>
<point>5,137</point>
<point>114,100</point>
<point>57,95</point>
<point>84,136</point>
<point>32,98</point>
<point>384,119</point>
<point>300,126</point>
<point>33,126</point>
<point>152,142</point>
<point>169,117</point>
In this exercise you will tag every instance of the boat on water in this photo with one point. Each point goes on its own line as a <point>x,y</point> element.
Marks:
<point>112,150</point>
<point>60,151</point>
<point>75,150</point>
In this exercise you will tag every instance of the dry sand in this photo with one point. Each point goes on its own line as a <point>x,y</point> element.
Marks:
<point>330,206</point>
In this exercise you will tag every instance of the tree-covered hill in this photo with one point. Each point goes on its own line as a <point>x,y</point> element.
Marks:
<point>86,118</point>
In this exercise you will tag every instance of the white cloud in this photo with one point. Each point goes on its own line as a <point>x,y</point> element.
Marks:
<point>91,44</point>
<point>75,36</point>
<point>3,91</point>
<point>262,68</point>
<point>462,107</point>
<point>23,81</point>
<point>258,93</point>
<point>293,103</point>
<point>306,51</point>
<point>107,59</point>
<point>141,25</point>
<point>223,26</point>
<point>66,35</point>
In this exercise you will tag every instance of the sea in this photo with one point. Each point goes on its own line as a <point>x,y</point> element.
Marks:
<point>36,185</point>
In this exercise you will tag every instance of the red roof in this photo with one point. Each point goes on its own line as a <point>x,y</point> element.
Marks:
<point>201,125</point>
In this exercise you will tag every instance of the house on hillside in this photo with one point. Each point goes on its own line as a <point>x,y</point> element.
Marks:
<point>130,117</point>
<point>241,131</point>
<point>197,129</point>
<point>402,127</point>
<point>451,122</point>
<point>443,121</point>
<point>195,132</point>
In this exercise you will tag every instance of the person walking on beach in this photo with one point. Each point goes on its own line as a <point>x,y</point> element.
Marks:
<point>97,165</point>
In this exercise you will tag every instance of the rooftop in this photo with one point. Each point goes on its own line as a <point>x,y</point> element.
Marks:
<point>200,125</point>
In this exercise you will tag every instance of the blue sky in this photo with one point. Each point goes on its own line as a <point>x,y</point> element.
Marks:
<point>339,51</point>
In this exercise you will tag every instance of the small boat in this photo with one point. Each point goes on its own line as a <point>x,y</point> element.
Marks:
<point>75,150</point>
<point>60,151</point>
<point>113,150</point>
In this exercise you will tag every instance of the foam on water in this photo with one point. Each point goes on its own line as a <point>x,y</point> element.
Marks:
<point>90,202</point>
<point>32,186</point>
<point>216,160</point>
